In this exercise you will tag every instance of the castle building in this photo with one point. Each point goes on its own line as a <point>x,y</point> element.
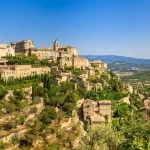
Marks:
<point>6,50</point>
<point>23,46</point>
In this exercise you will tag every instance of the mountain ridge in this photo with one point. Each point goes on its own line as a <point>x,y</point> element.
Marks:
<point>115,58</point>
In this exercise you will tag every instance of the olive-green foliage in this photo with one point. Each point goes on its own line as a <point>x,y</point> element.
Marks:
<point>37,127</point>
<point>122,110</point>
<point>103,137</point>
<point>22,60</point>
<point>18,94</point>
<point>2,147</point>
<point>54,146</point>
<point>21,120</point>
<point>37,91</point>
<point>64,96</point>
<point>9,125</point>
<point>60,134</point>
<point>26,60</point>
<point>18,83</point>
<point>112,88</point>
<point>137,133</point>
<point>10,107</point>
<point>105,94</point>
<point>3,93</point>
<point>47,115</point>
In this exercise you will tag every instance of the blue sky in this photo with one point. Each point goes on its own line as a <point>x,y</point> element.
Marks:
<point>99,27</point>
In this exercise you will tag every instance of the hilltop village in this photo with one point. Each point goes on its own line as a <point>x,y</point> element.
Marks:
<point>63,56</point>
<point>54,99</point>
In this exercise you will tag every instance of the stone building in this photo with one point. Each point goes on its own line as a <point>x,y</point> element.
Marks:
<point>97,112</point>
<point>23,46</point>
<point>69,51</point>
<point>19,71</point>
<point>59,75</point>
<point>99,65</point>
<point>43,53</point>
<point>80,62</point>
<point>90,71</point>
<point>6,50</point>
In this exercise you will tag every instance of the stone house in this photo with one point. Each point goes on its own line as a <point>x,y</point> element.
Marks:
<point>96,112</point>
<point>59,75</point>
<point>99,65</point>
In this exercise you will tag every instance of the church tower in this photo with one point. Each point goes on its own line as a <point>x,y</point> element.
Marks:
<point>56,45</point>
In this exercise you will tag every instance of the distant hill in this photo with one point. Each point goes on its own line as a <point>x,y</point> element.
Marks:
<point>113,58</point>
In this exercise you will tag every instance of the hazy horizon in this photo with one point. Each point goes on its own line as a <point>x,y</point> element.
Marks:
<point>98,27</point>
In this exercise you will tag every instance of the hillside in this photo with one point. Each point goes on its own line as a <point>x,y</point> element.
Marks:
<point>113,58</point>
<point>122,63</point>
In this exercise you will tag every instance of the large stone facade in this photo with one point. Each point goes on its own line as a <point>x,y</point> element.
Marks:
<point>23,46</point>
<point>43,53</point>
<point>19,71</point>
<point>6,50</point>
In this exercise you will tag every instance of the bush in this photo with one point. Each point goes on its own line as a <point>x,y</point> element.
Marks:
<point>69,107</point>
<point>9,125</point>
<point>10,108</point>
<point>21,120</point>
<point>18,94</point>
<point>47,115</point>
<point>3,93</point>
<point>60,134</point>
<point>54,146</point>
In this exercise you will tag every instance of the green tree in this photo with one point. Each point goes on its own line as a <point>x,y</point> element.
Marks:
<point>102,137</point>
<point>18,94</point>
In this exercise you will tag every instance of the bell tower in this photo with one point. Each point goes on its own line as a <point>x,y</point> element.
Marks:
<point>56,45</point>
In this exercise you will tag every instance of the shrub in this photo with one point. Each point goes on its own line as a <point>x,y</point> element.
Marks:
<point>9,125</point>
<point>10,108</point>
<point>18,94</point>
<point>21,120</point>
<point>2,93</point>
<point>47,115</point>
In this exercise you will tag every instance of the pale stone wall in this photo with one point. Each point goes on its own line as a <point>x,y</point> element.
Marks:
<point>6,50</point>
<point>21,47</point>
<point>44,53</point>
<point>80,62</point>
<point>64,61</point>
<point>72,51</point>
<point>17,71</point>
